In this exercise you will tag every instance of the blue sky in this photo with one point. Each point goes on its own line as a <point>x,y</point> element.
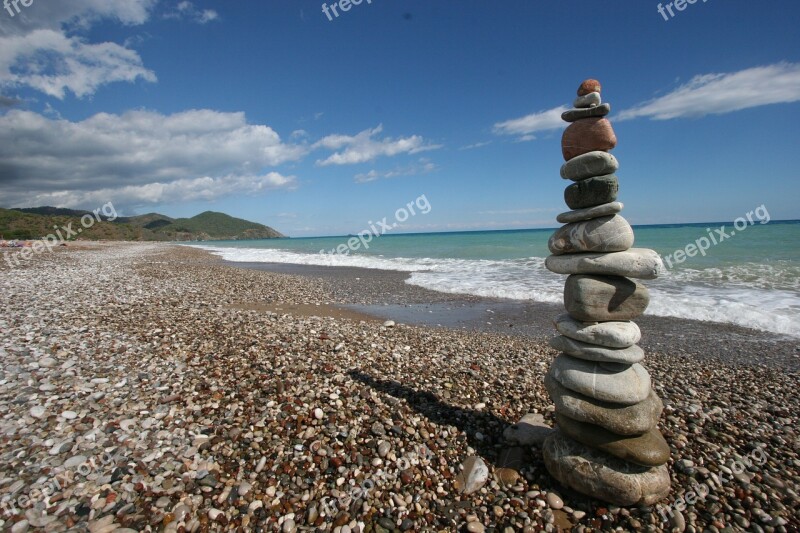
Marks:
<point>270,111</point>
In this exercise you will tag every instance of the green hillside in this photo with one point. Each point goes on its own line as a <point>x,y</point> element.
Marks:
<point>37,222</point>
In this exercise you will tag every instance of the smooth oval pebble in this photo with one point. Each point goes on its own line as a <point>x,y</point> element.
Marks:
<point>607,382</point>
<point>616,334</point>
<point>475,527</point>
<point>163,502</point>
<point>589,165</point>
<point>587,135</point>
<point>588,100</point>
<point>601,354</point>
<point>75,460</point>
<point>588,86</point>
<point>597,211</point>
<point>640,263</point>
<point>554,500</point>
<point>571,115</point>
<point>604,234</point>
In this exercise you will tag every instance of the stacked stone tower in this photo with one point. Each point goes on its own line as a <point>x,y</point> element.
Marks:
<point>607,444</point>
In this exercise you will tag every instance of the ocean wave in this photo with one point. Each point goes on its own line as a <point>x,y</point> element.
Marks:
<point>760,296</point>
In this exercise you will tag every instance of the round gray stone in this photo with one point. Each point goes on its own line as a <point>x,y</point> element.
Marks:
<point>621,419</point>
<point>607,382</point>
<point>603,476</point>
<point>641,263</point>
<point>601,354</point>
<point>604,234</point>
<point>589,165</point>
<point>592,191</point>
<point>610,334</point>
<point>604,298</point>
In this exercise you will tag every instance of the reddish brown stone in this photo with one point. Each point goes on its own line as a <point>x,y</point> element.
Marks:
<point>587,135</point>
<point>589,86</point>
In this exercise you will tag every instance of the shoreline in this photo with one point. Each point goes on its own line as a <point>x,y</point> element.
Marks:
<point>385,295</point>
<point>141,390</point>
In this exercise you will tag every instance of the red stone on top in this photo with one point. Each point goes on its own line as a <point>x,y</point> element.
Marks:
<point>589,86</point>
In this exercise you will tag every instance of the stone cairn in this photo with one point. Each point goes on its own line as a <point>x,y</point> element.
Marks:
<point>607,444</point>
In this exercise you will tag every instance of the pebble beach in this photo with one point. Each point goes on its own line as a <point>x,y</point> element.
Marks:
<point>152,387</point>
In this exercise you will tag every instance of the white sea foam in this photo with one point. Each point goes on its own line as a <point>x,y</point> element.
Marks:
<point>758,296</point>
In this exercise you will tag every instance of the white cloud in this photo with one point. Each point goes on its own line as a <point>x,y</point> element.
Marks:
<point>363,147</point>
<point>475,145</point>
<point>187,11</point>
<point>182,190</point>
<point>50,62</point>
<point>75,14</point>
<point>525,126</point>
<point>142,156</point>
<point>423,167</point>
<point>36,50</point>
<point>723,93</point>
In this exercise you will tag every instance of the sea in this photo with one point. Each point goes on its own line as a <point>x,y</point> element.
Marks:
<point>749,277</point>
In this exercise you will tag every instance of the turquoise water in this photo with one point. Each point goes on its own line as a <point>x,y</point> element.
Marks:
<point>750,278</point>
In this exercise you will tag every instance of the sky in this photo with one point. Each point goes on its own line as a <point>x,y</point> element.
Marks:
<point>320,124</point>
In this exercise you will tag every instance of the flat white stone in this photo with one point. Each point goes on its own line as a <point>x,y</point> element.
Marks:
<point>610,334</point>
<point>588,100</point>
<point>592,352</point>
<point>608,382</point>
<point>604,234</point>
<point>611,208</point>
<point>640,263</point>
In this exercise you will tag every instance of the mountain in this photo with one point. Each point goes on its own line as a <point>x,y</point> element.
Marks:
<point>37,222</point>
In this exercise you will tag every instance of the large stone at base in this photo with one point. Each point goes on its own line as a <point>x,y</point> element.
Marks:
<point>605,234</point>
<point>603,476</point>
<point>616,334</point>
<point>648,449</point>
<point>591,192</point>
<point>621,419</point>
<point>601,354</point>
<point>604,298</point>
<point>640,263</point>
<point>607,382</point>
